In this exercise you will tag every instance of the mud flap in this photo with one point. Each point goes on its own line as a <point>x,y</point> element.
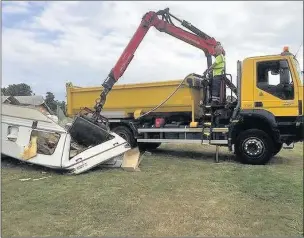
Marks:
<point>131,160</point>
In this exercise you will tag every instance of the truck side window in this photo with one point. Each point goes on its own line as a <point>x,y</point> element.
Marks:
<point>46,141</point>
<point>274,78</point>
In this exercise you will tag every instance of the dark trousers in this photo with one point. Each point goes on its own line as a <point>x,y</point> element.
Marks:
<point>216,86</point>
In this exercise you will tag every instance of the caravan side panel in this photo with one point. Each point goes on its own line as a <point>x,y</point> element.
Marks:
<point>14,137</point>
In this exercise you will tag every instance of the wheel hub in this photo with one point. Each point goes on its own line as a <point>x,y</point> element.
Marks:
<point>253,147</point>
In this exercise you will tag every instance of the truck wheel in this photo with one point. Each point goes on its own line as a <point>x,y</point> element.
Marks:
<point>148,146</point>
<point>254,146</point>
<point>277,148</point>
<point>126,134</point>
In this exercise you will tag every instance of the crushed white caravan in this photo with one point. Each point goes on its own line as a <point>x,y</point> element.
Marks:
<point>31,136</point>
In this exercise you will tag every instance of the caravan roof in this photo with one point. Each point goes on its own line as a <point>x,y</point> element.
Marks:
<point>29,113</point>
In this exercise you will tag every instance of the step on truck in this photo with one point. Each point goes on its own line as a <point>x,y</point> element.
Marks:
<point>265,112</point>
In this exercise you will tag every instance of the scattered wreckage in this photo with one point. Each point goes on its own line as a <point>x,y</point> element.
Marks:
<point>30,135</point>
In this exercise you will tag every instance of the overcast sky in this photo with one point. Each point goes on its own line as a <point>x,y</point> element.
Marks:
<point>46,44</point>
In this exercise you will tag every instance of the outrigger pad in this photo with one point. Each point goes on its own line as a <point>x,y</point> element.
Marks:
<point>88,133</point>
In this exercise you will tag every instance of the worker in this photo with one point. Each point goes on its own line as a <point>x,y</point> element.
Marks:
<point>218,69</point>
<point>218,44</point>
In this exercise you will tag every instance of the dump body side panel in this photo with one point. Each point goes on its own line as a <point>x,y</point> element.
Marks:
<point>124,100</point>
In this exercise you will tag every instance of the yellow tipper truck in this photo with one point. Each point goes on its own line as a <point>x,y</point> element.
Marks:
<point>265,114</point>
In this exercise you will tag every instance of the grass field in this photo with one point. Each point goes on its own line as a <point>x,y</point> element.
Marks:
<point>180,191</point>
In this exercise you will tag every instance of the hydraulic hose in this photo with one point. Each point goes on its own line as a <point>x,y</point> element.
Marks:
<point>155,108</point>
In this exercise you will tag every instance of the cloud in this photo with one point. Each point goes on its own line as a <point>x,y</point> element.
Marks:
<point>46,44</point>
<point>15,8</point>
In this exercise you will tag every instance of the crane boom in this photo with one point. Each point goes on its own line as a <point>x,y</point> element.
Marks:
<point>197,39</point>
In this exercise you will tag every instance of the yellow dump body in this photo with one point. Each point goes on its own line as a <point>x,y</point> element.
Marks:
<point>131,99</point>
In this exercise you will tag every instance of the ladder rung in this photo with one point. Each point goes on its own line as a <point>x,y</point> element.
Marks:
<point>215,130</point>
<point>215,142</point>
<point>223,129</point>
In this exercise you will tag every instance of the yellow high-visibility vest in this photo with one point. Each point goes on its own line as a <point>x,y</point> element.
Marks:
<point>220,65</point>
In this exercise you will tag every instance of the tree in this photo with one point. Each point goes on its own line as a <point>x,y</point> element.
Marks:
<point>50,101</point>
<point>20,89</point>
<point>62,105</point>
<point>3,92</point>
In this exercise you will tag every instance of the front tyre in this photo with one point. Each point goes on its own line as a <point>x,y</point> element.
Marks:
<point>277,148</point>
<point>254,146</point>
<point>126,134</point>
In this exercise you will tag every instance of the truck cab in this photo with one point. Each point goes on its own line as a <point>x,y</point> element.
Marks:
<point>270,104</point>
<point>273,83</point>
<point>272,90</point>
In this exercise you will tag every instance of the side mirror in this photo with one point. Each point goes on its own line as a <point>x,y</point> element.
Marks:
<point>284,74</point>
<point>285,77</point>
<point>284,64</point>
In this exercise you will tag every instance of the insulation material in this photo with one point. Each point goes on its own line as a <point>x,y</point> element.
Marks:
<point>46,141</point>
<point>30,150</point>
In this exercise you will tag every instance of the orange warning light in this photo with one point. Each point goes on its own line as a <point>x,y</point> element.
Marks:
<point>286,49</point>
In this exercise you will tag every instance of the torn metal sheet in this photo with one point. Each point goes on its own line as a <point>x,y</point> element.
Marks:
<point>26,179</point>
<point>42,178</point>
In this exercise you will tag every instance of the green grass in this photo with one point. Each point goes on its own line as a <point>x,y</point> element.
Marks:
<point>180,191</point>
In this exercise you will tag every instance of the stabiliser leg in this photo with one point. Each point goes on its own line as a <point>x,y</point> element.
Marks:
<point>217,154</point>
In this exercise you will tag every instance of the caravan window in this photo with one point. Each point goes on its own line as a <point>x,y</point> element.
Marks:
<point>46,141</point>
<point>12,133</point>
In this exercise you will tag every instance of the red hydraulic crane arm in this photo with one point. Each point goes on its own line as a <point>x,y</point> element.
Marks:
<point>198,39</point>
<point>207,44</point>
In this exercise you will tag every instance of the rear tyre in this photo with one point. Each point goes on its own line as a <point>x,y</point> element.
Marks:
<point>254,146</point>
<point>148,146</point>
<point>277,148</point>
<point>126,134</point>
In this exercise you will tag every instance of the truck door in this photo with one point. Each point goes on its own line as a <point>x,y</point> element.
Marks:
<point>275,89</point>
